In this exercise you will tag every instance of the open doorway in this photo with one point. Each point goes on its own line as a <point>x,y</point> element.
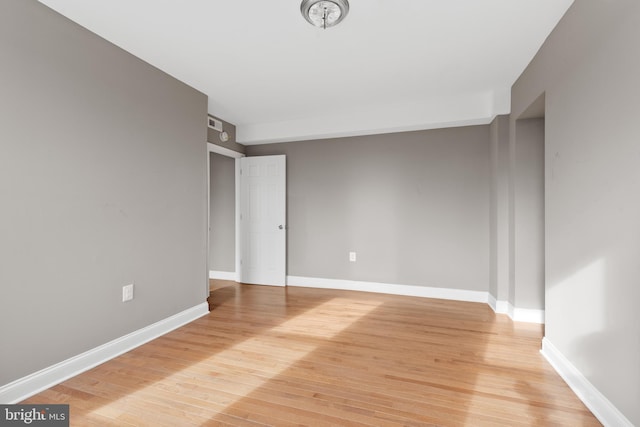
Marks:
<point>223,213</point>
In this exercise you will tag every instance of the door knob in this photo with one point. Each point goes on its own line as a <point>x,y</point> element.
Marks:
<point>281,226</point>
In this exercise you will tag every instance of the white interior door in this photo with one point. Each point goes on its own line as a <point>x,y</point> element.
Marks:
<point>263,231</point>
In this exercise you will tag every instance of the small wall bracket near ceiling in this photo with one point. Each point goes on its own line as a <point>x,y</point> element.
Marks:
<point>324,13</point>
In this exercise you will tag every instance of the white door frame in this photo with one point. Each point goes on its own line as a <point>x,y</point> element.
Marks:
<point>213,148</point>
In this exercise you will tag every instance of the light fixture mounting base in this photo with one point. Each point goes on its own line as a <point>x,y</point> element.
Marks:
<point>324,13</point>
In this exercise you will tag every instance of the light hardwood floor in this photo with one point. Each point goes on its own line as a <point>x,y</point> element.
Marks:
<point>296,356</point>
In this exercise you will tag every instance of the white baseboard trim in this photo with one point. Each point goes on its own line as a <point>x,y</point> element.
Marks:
<point>493,303</point>
<point>386,288</point>
<point>223,275</point>
<point>597,403</point>
<point>526,315</point>
<point>502,307</point>
<point>26,387</point>
<point>516,314</point>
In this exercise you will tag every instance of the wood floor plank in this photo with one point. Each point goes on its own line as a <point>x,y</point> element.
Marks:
<point>298,356</point>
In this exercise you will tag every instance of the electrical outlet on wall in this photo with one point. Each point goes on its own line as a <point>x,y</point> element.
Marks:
<point>127,293</point>
<point>352,256</point>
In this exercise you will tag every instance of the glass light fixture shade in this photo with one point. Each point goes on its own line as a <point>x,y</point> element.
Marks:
<point>324,13</point>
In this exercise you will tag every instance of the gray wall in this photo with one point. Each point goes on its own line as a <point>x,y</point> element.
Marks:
<point>499,215</point>
<point>222,211</point>
<point>414,206</point>
<point>589,68</point>
<point>526,165</point>
<point>102,183</point>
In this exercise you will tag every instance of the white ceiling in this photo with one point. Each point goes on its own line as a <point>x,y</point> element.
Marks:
<point>391,65</point>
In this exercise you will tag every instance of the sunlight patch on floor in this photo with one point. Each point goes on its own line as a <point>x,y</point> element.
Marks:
<point>265,354</point>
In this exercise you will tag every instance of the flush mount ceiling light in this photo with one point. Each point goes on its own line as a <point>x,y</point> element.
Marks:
<point>324,13</point>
